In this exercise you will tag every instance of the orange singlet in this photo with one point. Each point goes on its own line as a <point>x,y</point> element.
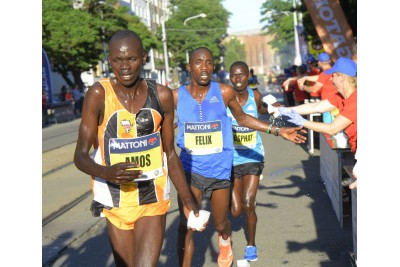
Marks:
<point>127,137</point>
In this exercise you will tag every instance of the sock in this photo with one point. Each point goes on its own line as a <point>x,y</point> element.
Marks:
<point>225,242</point>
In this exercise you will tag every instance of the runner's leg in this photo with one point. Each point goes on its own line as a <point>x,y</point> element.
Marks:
<point>250,186</point>
<point>185,243</point>
<point>236,198</point>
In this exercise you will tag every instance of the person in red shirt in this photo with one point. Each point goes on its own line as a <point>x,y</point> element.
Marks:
<point>313,70</point>
<point>344,78</point>
<point>285,81</point>
<point>299,95</point>
<point>323,83</point>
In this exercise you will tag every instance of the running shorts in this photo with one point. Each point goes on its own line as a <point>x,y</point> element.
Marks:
<point>251,168</point>
<point>125,218</point>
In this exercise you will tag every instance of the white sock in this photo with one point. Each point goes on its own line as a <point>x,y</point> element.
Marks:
<point>225,242</point>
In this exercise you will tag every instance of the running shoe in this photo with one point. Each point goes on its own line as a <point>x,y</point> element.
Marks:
<point>225,257</point>
<point>250,253</point>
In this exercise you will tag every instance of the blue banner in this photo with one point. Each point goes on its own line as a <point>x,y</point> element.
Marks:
<point>47,85</point>
<point>303,44</point>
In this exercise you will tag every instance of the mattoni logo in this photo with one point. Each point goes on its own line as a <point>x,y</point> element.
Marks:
<point>214,99</point>
<point>152,140</point>
<point>215,125</point>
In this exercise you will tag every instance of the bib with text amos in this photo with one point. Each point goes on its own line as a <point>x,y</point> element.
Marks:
<point>144,150</point>
<point>243,137</point>
<point>202,138</point>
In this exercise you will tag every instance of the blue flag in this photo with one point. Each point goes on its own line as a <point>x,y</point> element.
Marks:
<point>47,85</point>
<point>304,52</point>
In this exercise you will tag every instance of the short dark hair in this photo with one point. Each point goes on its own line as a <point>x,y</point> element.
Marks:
<point>126,34</point>
<point>199,49</point>
<point>240,64</point>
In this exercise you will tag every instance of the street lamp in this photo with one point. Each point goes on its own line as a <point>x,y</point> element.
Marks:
<point>297,57</point>
<point>105,62</point>
<point>164,40</point>
<point>201,15</point>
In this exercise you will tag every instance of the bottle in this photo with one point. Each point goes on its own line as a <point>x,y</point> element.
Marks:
<point>269,100</point>
<point>340,140</point>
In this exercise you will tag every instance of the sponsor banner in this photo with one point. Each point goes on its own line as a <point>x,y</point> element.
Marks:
<point>332,28</point>
<point>302,44</point>
<point>47,86</point>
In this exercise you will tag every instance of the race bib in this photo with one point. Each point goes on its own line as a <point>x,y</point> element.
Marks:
<point>144,150</point>
<point>203,138</point>
<point>243,137</point>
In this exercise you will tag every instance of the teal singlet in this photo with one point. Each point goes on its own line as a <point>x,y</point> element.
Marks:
<point>205,134</point>
<point>246,142</point>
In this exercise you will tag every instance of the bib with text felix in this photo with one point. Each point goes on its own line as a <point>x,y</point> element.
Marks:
<point>202,138</point>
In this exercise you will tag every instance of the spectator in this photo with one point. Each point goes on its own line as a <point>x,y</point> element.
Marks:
<point>287,89</point>
<point>78,97</point>
<point>253,81</point>
<point>63,93</point>
<point>344,78</point>
<point>323,83</point>
<point>311,71</point>
<point>299,96</point>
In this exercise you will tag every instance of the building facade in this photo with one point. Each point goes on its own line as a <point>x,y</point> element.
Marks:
<point>259,54</point>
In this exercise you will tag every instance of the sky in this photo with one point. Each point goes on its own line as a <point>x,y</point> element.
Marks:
<point>245,14</point>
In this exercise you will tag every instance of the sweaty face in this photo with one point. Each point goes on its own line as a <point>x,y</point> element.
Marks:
<point>126,59</point>
<point>239,77</point>
<point>201,67</point>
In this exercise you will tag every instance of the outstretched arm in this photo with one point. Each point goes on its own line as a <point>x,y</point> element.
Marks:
<point>290,133</point>
<point>339,123</point>
<point>316,107</point>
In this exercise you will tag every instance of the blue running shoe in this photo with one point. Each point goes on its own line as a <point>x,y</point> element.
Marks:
<point>250,253</point>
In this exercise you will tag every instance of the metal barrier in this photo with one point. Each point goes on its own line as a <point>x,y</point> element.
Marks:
<point>60,112</point>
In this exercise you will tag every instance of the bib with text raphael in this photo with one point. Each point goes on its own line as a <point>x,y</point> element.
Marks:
<point>202,138</point>
<point>243,137</point>
<point>144,150</point>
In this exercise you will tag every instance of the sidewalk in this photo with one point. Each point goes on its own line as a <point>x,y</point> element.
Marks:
<point>296,223</point>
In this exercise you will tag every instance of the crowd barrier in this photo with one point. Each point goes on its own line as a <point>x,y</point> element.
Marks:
<point>335,164</point>
<point>60,112</point>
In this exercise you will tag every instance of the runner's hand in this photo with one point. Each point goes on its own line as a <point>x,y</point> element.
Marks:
<point>293,134</point>
<point>122,172</point>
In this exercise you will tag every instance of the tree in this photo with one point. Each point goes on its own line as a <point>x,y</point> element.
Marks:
<point>198,32</point>
<point>235,51</point>
<point>73,37</point>
<point>278,19</point>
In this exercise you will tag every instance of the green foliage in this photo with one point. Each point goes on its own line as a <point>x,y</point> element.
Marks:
<point>198,32</point>
<point>278,19</point>
<point>73,38</point>
<point>235,51</point>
